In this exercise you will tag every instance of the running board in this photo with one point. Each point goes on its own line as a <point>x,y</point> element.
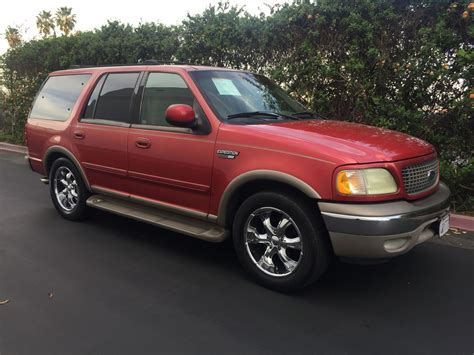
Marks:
<point>175,222</point>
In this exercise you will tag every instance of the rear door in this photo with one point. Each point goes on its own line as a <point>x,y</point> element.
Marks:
<point>169,166</point>
<point>100,136</point>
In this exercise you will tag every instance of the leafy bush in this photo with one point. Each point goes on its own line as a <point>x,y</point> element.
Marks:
<point>400,64</point>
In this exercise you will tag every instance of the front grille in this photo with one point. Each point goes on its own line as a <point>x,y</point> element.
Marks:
<point>420,177</point>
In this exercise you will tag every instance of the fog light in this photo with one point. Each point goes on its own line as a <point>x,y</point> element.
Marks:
<point>395,244</point>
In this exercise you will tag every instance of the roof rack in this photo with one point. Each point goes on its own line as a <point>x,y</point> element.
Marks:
<point>145,62</point>
<point>155,61</point>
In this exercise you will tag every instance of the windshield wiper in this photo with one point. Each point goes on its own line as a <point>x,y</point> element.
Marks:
<point>272,115</point>
<point>303,113</point>
<point>253,114</point>
<point>307,114</point>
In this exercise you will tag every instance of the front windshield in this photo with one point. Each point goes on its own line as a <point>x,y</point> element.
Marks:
<point>231,93</point>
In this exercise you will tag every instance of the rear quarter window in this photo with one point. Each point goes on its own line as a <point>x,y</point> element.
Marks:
<point>58,96</point>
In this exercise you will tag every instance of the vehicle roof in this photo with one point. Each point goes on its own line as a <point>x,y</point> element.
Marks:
<point>141,67</point>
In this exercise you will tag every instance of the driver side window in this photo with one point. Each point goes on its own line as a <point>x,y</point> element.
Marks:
<point>161,91</point>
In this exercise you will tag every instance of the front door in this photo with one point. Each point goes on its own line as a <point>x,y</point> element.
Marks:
<point>168,165</point>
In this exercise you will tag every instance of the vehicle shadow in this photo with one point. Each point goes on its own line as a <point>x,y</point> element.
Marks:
<point>393,280</point>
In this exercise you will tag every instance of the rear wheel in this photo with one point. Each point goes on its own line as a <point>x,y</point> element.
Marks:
<point>280,240</point>
<point>67,189</point>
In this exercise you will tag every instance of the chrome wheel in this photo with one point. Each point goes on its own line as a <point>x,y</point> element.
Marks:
<point>66,189</point>
<point>273,241</point>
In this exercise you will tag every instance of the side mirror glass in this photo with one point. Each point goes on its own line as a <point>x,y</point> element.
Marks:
<point>181,115</point>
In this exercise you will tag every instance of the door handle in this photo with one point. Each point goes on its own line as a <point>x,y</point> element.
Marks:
<point>142,143</point>
<point>79,134</point>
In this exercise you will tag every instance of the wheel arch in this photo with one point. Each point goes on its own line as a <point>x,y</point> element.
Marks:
<point>250,182</point>
<point>55,152</point>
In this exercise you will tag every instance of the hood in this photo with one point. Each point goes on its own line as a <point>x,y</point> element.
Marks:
<point>364,144</point>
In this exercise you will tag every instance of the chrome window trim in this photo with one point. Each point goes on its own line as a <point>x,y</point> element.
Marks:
<point>103,122</point>
<point>162,128</point>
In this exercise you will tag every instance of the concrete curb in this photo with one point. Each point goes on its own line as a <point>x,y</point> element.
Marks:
<point>456,220</point>
<point>13,148</point>
<point>462,222</point>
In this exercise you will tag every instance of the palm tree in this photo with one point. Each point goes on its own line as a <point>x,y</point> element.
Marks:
<point>45,23</point>
<point>13,36</point>
<point>65,19</point>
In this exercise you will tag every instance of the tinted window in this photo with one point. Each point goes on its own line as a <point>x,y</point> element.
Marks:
<point>90,108</point>
<point>116,96</point>
<point>161,91</point>
<point>58,96</point>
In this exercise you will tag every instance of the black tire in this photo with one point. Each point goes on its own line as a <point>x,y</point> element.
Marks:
<point>314,256</point>
<point>80,209</point>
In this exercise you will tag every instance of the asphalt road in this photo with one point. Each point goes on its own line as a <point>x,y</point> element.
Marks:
<point>115,286</point>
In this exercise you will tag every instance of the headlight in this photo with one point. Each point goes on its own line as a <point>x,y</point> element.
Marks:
<point>375,181</point>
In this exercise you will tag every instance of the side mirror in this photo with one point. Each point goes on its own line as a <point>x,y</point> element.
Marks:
<point>181,116</point>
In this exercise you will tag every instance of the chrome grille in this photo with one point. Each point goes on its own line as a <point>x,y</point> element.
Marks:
<point>420,177</point>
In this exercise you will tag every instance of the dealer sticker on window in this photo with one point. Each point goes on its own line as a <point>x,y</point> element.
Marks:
<point>444,225</point>
<point>226,87</point>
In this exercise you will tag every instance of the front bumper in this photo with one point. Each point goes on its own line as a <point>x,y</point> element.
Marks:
<point>383,230</point>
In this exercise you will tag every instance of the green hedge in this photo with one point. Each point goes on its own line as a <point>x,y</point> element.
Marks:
<point>401,64</point>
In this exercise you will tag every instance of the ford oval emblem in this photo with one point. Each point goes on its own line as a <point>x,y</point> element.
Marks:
<point>431,175</point>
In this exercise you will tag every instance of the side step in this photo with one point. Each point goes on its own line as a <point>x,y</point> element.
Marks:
<point>175,222</point>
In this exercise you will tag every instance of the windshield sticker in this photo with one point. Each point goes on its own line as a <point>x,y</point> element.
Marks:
<point>225,87</point>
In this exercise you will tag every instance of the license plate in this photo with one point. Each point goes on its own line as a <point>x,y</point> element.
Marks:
<point>444,225</point>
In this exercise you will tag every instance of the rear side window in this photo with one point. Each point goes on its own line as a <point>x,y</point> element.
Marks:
<point>115,97</point>
<point>58,96</point>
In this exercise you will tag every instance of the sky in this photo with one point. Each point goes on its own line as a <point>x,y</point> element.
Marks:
<point>92,14</point>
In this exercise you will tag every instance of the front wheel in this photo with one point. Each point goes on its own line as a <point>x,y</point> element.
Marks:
<point>280,241</point>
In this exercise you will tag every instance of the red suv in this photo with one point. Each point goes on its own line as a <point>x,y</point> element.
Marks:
<point>212,153</point>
